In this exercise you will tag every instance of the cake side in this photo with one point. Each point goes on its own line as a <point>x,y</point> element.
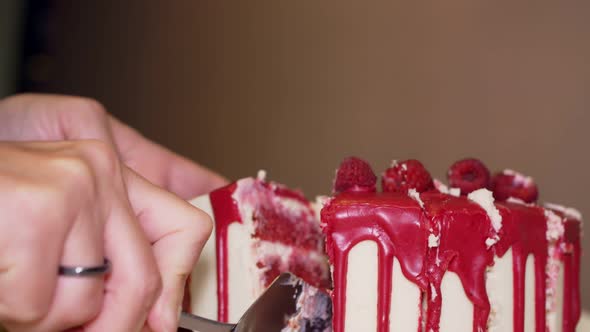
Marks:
<point>507,265</point>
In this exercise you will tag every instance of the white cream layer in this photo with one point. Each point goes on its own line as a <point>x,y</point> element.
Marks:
<point>203,285</point>
<point>500,288</point>
<point>362,293</point>
<point>456,312</point>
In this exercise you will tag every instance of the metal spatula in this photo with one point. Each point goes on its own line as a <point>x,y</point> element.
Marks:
<point>267,314</point>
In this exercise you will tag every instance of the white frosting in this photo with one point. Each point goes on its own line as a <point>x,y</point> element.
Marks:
<point>415,195</point>
<point>554,291</point>
<point>455,192</point>
<point>555,228</point>
<point>529,295</point>
<point>519,178</point>
<point>516,201</point>
<point>442,188</point>
<point>318,205</point>
<point>485,199</point>
<point>433,293</point>
<point>433,240</point>
<point>361,290</point>
<point>567,211</point>
<point>362,293</point>
<point>456,311</point>
<point>244,278</point>
<point>261,175</point>
<point>404,314</point>
<point>490,241</point>
<point>203,282</point>
<point>500,289</point>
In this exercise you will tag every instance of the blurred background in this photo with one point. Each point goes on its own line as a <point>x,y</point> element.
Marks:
<point>295,86</point>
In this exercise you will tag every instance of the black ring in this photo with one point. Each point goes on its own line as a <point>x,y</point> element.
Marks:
<point>82,271</point>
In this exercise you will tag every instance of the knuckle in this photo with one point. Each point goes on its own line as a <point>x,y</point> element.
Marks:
<point>101,155</point>
<point>77,170</point>
<point>85,108</point>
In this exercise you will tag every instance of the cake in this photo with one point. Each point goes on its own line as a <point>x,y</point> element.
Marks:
<point>262,229</point>
<point>420,256</point>
<point>479,254</point>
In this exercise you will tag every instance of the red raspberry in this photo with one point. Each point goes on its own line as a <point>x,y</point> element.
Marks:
<point>355,175</point>
<point>513,184</point>
<point>468,175</point>
<point>402,176</point>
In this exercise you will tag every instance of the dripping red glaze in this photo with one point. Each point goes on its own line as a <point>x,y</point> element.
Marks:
<point>463,227</point>
<point>226,212</point>
<point>395,223</point>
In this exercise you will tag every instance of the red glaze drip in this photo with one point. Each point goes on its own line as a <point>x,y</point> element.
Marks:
<point>397,226</point>
<point>524,230</point>
<point>464,226</point>
<point>225,210</point>
<point>572,253</point>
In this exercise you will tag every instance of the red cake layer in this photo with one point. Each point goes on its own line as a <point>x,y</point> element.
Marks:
<point>401,228</point>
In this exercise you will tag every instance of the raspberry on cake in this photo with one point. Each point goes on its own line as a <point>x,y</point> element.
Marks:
<point>468,175</point>
<point>405,175</point>
<point>262,229</point>
<point>509,183</point>
<point>405,260</point>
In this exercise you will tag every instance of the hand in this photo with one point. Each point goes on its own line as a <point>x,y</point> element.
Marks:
<point>73,203</point>
<point>34,117</point>
<point>58,118</point>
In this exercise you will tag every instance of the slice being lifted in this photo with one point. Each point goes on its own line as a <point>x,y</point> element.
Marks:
<point>261,230</point>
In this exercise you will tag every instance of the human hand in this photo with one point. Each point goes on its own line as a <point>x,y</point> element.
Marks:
<point>72,203</point>
<point>56,118</point>
<point>37,117</point>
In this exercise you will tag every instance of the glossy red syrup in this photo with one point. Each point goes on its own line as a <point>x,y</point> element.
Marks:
<point>398,227</point>
<point>524,229</point>
<point>464,228</point>
<point>401,229</point>
<point>571,252</point>
<point>226,212</point>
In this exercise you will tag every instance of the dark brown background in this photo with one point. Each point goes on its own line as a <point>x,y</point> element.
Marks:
<point>294,86</point>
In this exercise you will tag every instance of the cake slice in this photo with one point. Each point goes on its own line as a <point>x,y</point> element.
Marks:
<point>262,229</point>
<point>419,256</point>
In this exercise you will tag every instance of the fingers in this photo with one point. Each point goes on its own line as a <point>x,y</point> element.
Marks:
<point>159,165</point>
<point>134,283</point>
<point>45,117</point>
<point>56,221</point>
<point>52,117</point>
<point>77,300</point>
<point>178,232</point>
